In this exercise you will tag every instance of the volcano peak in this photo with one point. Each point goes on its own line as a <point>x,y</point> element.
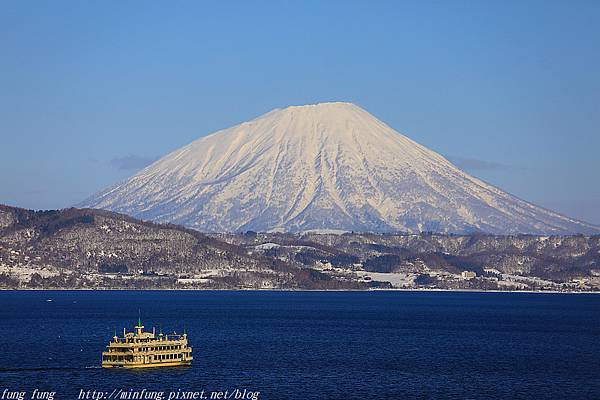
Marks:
<point>327,166</point>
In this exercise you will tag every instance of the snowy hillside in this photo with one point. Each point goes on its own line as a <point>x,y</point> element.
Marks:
<point>326,166</point>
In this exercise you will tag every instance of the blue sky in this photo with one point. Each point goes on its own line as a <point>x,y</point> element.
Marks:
<point>91,91</point>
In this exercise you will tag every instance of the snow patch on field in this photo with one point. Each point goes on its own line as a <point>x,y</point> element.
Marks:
<point>397,279</point>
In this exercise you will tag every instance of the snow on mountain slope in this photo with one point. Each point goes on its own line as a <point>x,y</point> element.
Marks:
<point>324,166</point>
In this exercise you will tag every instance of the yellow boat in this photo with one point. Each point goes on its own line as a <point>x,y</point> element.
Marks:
<point>141,349</point>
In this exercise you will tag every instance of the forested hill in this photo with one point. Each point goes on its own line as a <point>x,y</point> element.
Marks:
<point>85,248</point>
<point>77,248</point>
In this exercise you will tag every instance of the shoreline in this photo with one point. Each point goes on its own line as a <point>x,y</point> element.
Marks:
<point>298,290</point>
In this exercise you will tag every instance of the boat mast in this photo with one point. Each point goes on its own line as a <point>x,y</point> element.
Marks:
<point>139,327</point>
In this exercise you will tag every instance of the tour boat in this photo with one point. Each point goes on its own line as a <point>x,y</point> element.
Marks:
<point>141,349</point>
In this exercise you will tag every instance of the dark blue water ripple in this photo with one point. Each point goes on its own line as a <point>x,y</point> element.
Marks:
<point>314,345</point>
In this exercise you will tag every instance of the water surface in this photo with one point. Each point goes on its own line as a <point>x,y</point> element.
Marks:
<point>313,345</point>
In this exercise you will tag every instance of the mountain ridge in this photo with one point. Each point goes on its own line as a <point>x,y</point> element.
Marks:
<point>86,248</point>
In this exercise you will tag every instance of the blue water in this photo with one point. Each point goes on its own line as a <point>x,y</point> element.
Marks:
<point>313,345</point>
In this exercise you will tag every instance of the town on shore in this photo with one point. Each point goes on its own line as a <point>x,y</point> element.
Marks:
<point>93,249</point>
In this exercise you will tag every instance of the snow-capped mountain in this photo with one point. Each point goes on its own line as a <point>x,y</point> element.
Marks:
<point>329,166</point>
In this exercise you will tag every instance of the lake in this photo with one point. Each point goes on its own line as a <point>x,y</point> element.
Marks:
<point>311,345</point>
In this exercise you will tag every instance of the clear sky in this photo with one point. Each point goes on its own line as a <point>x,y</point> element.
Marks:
<point>92,91</point>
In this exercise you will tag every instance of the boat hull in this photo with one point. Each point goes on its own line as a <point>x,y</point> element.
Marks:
<point>147,365</point>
